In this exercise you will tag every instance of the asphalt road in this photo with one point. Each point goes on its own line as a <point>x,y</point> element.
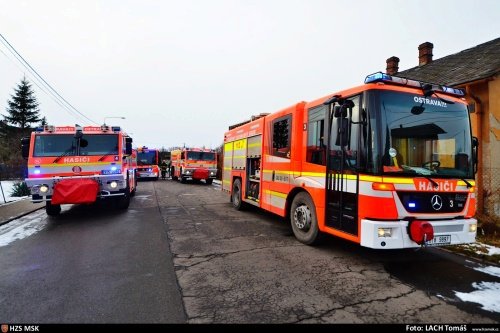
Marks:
<point>92,264</point>
<point>181,253</point>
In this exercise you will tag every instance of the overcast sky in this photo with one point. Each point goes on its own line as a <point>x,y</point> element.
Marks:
<point>181,72</point>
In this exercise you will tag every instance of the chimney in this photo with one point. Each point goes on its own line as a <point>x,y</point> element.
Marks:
<point>392,65</point>
<point>425,53</point>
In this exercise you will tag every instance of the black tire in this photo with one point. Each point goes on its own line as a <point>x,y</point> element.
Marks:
<point>52,210</point>
<point>236,198</point>
<point>124,201</point>
<point>172,173</point>
<point>183,179</point>
<point>135,188</point>
<point>209,181</point>
<point>304,220</point>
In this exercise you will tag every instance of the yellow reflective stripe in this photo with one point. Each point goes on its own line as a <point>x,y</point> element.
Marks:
<point>370,178</point>
<point>240,156</point>
<point>226,181</point>
<point>228,168</point>
<point>276,194</point>
<point>398,180</point>
<point>257,144</point>
<point>312,174</point>
<point>228,146</point>
<point>462,183</point>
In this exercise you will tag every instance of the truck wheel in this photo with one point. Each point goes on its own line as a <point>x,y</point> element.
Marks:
<point>236,195</point>
<point>183,180</point>
<point>209,181</point>
<point>135,188</point>
<point>52,210</point>
<point>172,173</point>
<point>303,219</point>
<point>124,201</point>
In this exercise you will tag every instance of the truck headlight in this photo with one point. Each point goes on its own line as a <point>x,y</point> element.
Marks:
<point>384,232</point>
<point>472,227</point>
<point>44,189</point>
<point>113,184</point>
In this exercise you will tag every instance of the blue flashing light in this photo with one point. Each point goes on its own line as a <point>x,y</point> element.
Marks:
<point>377,77</point>
<point>113,168</point>
<point>116,128</point>
<point>37,171</point>
<point>39,129</point>
<point>453,91</point>
<point>412,205</point>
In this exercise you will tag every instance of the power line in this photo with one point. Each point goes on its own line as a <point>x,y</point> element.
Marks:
<point>48,93</point>
<point>25,63</point>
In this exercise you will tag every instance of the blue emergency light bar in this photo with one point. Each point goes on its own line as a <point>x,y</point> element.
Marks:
<point>386,78</point>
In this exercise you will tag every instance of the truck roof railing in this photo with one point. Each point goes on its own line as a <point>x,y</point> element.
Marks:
<point>390,79</point>
<point>247,121</point>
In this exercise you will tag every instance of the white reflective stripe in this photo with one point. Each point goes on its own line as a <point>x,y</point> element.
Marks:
<point>405,187</point>
<point>345,185</point>
<point>278,202</point>
<point>315,182</point>
<point>270,158</point>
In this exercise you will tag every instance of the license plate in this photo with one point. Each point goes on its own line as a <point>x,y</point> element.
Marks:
<point>440,240</point>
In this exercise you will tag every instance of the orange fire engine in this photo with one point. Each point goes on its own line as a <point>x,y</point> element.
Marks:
<point>148,161</point>
<point>74,164</point>
<point>389,164</point>
<point>193,163</point>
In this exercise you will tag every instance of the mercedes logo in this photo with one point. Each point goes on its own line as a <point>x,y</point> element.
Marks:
<point>436,202</point>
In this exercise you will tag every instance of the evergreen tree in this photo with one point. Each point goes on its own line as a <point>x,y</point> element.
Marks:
<point>23,108</point>
<point>22,114</point>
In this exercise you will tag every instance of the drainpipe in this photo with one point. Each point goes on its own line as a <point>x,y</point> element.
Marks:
<point>479,176</point>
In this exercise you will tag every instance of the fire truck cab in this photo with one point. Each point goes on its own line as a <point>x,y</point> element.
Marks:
<point>147,161</point>
<point>78,165</point>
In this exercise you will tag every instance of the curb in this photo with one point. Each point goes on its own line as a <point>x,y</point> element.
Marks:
<point>21,215</point>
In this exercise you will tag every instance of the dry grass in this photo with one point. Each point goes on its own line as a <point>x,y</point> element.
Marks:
<point>488,233</point>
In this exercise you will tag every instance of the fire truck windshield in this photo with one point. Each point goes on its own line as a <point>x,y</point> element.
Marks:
<point>147,158</point>
<point>68,145</point>
<point>200,156</point>
<point>424,136</point>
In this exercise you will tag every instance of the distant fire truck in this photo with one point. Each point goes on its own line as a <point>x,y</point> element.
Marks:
<point>193,163</point>
<point>147,163</point>
<point>77,165</point>
<point>388,165</point>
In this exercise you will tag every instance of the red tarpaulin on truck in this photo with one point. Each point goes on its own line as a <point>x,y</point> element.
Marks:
<point>75,191</point>
<point>200,174</point>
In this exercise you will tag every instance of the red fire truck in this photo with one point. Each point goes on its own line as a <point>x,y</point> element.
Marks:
<point>193,163</point>
<point>77,165</point>
<point>388,164</point>
<point>147,161</point>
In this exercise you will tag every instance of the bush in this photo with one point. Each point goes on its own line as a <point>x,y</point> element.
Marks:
<point>20,190</point>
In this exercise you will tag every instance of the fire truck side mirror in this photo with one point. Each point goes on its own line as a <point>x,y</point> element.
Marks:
<point>128,146</point>
<point>475,151</point>
<point>25,147</point>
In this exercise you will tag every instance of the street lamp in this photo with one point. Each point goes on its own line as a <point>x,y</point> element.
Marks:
<point>112,117</point>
